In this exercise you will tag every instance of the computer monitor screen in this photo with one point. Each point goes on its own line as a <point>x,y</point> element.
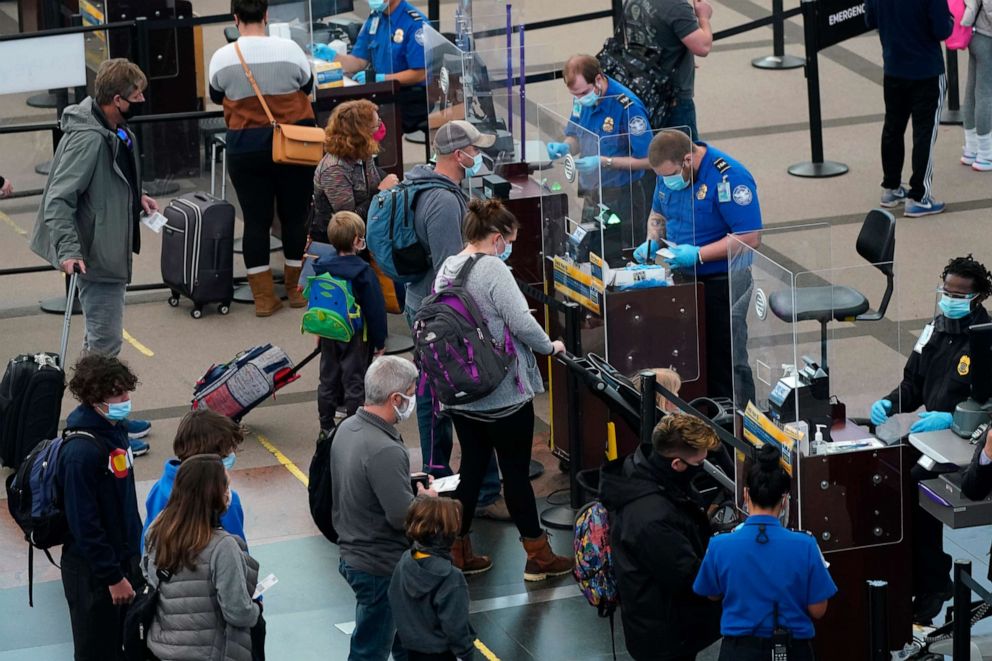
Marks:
<point>980,371</point>
<point>322,8</point>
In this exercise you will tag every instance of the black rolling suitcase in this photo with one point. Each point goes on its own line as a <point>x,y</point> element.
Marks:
<point>31,395</point>
<point>198,251</point>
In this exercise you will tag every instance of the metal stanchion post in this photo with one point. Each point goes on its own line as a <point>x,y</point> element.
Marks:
<point>649,411</point>
<point>778,59</point>
<point>878,621</point>
<point>962,612</point>
<point>952,107</point>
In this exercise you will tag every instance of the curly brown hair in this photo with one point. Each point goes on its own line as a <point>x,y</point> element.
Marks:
<point>98,376</point>
<point>349,131</point>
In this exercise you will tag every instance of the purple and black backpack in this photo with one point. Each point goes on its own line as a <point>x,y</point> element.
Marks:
<point>457,356</point>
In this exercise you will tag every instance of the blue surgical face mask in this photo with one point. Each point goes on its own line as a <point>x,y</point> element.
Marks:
<point>377,5</point>
<point>118,410</point>
<point>476,166</point>
<point>954,308</point>
<point>229,461</point>
<point>588,100</point>
<point>674,181</point>
<point>507,251</point>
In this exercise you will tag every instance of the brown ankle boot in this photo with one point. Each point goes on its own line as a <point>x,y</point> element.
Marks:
<point>463,557</point>
<point>293,291</point>
<point>263,290</point>
<point>542,561</point>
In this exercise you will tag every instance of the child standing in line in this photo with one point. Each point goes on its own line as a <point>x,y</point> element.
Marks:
<point>343,365</point>
<point>428,594</point>
<point>200,432</point>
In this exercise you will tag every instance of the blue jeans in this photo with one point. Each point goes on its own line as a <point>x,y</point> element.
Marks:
<point>684,114</point>
<point>374,636</point>
<point>436,441</point>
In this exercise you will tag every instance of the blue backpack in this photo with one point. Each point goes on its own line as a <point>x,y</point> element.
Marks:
<point>390,231</point>
<point>332,312</point>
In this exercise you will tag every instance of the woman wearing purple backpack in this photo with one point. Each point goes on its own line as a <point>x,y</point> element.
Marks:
<point>504,419</point>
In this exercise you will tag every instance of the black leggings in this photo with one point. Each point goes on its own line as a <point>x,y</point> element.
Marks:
<point>263,187</point>
<point>512,438</point>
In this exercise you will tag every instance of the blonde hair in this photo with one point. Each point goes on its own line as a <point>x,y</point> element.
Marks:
<point>681,435</point>
<point>344,228</point>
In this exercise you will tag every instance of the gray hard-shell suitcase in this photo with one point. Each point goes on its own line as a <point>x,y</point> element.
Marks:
<point>198,251</point>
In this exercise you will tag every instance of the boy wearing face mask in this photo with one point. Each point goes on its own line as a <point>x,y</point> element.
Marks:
<point>371,488</point>
<point>95,479</point>
<point>659,532</point>
<point>936,377</point>
<point>200,432</point>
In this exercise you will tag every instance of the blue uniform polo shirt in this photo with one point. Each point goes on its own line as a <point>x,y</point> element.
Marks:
<point>393,42</point>
<point>752,577</point>
<point>698,216</point>
<point>621,123</point>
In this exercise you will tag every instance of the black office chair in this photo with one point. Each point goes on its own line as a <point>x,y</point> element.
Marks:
<point>877,245</point>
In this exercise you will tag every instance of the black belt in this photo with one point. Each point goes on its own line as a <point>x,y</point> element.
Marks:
<point>758,643</point>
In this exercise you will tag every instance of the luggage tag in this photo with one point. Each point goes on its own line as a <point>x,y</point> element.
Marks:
<point>723,190</point>
<point>264,585</point>
<point>155,221</point>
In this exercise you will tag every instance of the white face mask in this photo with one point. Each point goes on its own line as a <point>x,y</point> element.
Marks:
<point>410,405</point>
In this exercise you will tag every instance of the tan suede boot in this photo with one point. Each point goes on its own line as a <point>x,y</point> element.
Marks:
<point>542,561</point>
<point>463,557</point>
<point>263,290</point>
<point>293,291</point>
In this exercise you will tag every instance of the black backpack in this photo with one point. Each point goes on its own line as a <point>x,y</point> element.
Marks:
<point>457,356</point>
<point>35,499</point>
<point>319,487</point>
<point>30,403</point>
<point>138,620</point>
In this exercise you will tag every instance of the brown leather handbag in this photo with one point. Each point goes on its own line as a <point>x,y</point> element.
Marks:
<point>291,144</point>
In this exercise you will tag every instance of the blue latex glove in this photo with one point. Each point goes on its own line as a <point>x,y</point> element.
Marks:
<point>642,254</point>
<point>557,149</point>
<point>587,164</point>
<point>880,411</point>
<point>685,257</point>
<point>323,52</point>
<point>380,78</point>
<point>359,77</point>
<point>932,421</point>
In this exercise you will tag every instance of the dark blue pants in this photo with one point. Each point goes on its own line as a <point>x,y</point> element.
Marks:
<point>374,636</point>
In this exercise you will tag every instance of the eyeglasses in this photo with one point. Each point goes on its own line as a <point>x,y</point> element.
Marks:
<point>955,294</point>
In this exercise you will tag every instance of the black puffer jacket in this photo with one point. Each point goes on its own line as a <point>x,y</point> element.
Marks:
<point>659,533</point>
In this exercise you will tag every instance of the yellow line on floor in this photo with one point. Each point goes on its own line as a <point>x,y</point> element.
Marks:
<point>138,345</point>
<point>284,460</point>
<point>6,220</point>
<point>486,652</point>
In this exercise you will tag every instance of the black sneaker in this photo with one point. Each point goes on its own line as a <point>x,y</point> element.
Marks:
<point>928,606</point>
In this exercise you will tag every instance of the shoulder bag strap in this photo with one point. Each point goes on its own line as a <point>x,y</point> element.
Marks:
<point>254,85</point>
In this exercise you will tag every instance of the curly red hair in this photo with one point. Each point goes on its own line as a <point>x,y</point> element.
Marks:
<point>349,131</point>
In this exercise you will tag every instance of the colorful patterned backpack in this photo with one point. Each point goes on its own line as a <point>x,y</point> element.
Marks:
<point>594,558</point>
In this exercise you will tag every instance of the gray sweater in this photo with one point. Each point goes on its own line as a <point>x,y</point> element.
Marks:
<point>437,220</point>
<point>494,290</point>
<point>370,483</point>
<point>206,614</point>
<point>979,14</point>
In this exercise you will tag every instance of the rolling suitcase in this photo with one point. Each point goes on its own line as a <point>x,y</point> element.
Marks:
<point>31,396</point>
<point>198,251</point>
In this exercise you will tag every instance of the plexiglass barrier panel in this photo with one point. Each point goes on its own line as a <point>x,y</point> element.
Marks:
<point>445,80</point>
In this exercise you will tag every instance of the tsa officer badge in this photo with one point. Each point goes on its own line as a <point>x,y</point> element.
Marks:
<point>608,125</point>
<point>398,36</point>
<point>701,193</point>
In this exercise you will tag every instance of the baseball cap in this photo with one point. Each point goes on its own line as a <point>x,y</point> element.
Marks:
<point>458,134</point>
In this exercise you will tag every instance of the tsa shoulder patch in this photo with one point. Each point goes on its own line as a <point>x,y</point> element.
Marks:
<point>743,195</point>
<point>419,36</point>
<point>637,125</point>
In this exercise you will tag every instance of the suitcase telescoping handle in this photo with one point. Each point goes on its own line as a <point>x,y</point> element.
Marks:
<point>70,303</point>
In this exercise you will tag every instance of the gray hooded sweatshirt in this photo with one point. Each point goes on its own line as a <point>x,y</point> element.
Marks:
<point>429,600</point>
<point>87,208</point>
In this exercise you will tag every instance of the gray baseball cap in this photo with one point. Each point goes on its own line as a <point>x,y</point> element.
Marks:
<point>458,134</point>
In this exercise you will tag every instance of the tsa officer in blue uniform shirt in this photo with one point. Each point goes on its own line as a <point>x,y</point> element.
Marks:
<point>391,47</point>
<point>608,135</point>
<point>773,581</point>
<point>702,196</point>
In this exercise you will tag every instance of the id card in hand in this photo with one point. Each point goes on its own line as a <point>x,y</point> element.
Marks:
<point>154,221</point>
<point>264,585</point>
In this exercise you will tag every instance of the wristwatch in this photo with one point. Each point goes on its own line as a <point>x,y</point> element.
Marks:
<point>609,162</point>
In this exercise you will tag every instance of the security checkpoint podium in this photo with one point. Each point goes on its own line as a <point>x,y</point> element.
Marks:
<point>635,319</point>
<point>818,354</point>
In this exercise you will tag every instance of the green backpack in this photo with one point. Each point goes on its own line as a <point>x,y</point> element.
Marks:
<point>332,312</point>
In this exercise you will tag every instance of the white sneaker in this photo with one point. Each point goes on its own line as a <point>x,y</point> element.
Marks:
<point>968,157</point>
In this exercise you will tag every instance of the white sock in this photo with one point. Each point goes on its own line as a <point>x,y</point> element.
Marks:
<point>258,269</point>
<point>984,143</point>
<point>295,263</point>
<point>971,140</point>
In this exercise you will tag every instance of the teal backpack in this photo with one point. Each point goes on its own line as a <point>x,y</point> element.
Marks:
<point>332,312</point>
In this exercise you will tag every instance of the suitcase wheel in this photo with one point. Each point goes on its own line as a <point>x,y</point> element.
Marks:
<point>196,313</point>
<point>174,301</point>
<point>224,308</point>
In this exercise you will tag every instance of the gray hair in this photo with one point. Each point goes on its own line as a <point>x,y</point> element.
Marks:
<point>387,375</point>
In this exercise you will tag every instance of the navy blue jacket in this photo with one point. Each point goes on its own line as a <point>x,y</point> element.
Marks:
<point>97,483</point>
<point>911,32</point>
<point>364,286</point>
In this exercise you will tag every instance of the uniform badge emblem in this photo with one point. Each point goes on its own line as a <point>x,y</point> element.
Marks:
<point>637,125</point>
<point>608,125</point>
<point>742,195</point>
<point>964,365</point>
<point>701,193</point>
<point>398,36</point>
<point>419,36</point>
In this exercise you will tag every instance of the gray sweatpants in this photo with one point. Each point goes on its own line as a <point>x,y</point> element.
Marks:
<point>342,377</point>
<point>103,314</point>
<point>977,106</point>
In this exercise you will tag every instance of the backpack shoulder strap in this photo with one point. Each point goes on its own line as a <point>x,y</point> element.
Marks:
<point>466,268</point>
